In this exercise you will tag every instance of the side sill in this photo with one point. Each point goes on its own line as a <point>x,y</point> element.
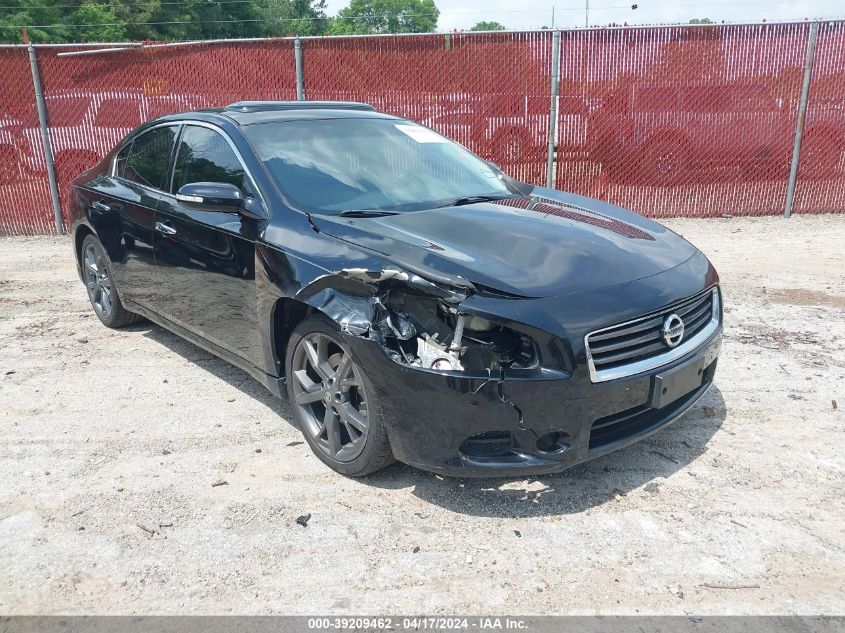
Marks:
<point>273,384</point>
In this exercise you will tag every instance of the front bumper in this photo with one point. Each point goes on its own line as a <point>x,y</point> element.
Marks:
<point>463,426</point>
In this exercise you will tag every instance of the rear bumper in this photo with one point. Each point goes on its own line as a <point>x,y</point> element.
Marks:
<point>473,427</point>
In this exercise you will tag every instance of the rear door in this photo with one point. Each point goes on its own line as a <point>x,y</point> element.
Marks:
<point>205,257</point>
<point>122,209</point>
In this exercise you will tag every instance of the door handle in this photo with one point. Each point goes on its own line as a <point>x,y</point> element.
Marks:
<point>165,227</point>
<point>102,207</point>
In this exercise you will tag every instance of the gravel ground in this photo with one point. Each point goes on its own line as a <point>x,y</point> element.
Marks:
<point>110,442</point>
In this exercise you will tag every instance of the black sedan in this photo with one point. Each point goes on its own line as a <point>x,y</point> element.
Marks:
<point>413,301</point>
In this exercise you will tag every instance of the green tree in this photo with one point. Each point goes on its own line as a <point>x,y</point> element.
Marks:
<point>120,20</point>
<point>386,16</point>
<point>95,22</point>
<point>488,26</point>
<point>701,21</point>
<point>34,13</point>
<point>293,17</point>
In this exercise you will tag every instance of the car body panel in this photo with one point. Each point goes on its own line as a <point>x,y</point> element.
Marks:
<point>206,276</point>
<point>559,267</point>
<point>123,216</point>
<point>532,246</point>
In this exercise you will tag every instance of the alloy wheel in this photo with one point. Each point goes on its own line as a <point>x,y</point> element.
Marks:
<point>330,396</point>
<point>98,282</point>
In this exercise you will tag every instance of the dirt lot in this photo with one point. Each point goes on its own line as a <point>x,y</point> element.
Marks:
<point>110,442</point>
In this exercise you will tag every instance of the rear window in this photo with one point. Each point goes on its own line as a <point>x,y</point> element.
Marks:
<point>146,160</point>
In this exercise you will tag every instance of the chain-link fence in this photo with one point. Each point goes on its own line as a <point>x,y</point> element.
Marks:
<point>683,121</point>
<point>488,91</point>
<point>820,187</point>
<point>666,120</point>
<point>24,188</point>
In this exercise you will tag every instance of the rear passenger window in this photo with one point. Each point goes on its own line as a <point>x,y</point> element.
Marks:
<point>205,156</point>
<point>148,157</point>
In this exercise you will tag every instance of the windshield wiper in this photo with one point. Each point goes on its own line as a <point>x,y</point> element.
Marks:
<point>473,199</point>
<point>364,213</point>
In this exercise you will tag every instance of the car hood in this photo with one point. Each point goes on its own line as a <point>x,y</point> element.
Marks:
<point>545,244</point>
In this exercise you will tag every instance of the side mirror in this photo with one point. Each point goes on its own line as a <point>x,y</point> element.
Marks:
<point>212,194</point>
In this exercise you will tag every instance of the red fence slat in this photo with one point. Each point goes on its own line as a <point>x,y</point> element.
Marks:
<point>93,101</point>
<point>820,187</point>
<point>681,120</point>
<point>488,91</point>
<point>667,121</point>
<point>25,206</point>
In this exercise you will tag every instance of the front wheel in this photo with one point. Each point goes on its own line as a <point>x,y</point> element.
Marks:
<point>99,281</point>
<point>334,401</point>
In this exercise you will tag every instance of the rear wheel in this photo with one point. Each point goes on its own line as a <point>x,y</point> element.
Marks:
<point>334,401</point>
<point>99,281</point>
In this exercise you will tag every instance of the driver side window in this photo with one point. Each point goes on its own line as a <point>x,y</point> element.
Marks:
<point>205,156</point>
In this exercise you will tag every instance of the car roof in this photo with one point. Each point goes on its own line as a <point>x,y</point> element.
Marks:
<point>251,112</point>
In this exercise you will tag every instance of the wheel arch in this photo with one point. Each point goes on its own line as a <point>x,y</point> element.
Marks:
<point>286,314</point>
<point>82,231</point>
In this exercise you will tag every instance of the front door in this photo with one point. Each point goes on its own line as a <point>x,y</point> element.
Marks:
<point>205,257</point>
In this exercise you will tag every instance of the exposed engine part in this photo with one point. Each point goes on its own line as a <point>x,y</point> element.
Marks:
<point>472,323</point>
<point>478,324</point>
<point>446,339</point>
<point>433,355</point>
<point>391,324</point>
<point>418,321</point>
<point>455,346</point>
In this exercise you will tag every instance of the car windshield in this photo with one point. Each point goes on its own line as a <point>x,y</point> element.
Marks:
<point>337,165</point>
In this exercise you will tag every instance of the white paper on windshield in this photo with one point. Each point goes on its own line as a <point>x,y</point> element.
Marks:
<point>420,134</point>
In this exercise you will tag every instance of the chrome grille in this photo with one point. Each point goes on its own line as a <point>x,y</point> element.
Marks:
<point>636,346</point>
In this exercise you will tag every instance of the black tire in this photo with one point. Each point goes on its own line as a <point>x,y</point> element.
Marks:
<point>346,392</point>
<point>99,282</point>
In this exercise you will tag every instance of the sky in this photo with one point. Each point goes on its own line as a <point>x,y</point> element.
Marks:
<point>532,14</point>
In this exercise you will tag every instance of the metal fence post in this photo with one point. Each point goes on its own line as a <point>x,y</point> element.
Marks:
<point>552,140</point>
<point>300,79</point>
<point>802,115</point>
<point>45,140</point>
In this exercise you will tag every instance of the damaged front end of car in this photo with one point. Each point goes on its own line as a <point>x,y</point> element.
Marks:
<point>457,380</point>
<point>420,323</point>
